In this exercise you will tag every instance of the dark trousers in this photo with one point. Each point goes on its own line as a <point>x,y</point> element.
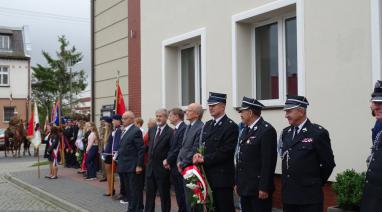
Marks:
<point>303,208</point>
<point>133,185</point>
<point>122,187</point>
<point>162,184</point>
<point>178,182</point>
<point>142,182</point>
<point>90,161</point>
<point>253,203</point>
<point>223,199</point>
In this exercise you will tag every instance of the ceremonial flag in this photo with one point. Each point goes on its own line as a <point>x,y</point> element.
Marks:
<point>30,131</point>
<point>58,114</point>
<point>36,140</point>
<point>119,102</point>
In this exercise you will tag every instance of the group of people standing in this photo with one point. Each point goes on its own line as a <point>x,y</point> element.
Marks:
<point>235,159</point>
<point>74,145</point>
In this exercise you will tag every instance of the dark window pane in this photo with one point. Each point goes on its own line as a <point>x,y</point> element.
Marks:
<point>188,75</point>
<point>8,113</point>
<point>267,71</point>
<point>5,79</point>
<point>291,55</point>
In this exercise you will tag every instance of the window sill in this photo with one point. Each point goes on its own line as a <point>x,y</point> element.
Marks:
<point>5,86</point>
<point>274,107</point>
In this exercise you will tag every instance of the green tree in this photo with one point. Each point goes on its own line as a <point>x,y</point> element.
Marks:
<point>57,80</point>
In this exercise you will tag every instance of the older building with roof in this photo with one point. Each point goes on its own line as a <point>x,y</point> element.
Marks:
<point>14,73</point>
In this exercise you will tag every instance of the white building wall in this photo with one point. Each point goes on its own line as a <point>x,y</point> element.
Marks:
<point>18,76</point>
<point>337,64</point>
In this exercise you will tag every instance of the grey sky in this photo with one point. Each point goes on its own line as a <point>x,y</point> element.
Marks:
<point>48,19</point>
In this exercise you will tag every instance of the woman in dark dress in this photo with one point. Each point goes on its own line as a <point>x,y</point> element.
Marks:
<point>53,152</point>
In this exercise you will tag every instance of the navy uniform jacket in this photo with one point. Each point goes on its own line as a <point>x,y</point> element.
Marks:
<point>256,159</point>
<point>116,135</point>
<point>158,152</point>
<point>220,143</point>
<point>307,162</point>
<point>176,144</point>
<point>373,181</point>
<point>131,150</point>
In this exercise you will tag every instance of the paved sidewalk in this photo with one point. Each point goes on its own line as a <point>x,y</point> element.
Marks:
<point>71,187</point>
<point>14,198</point>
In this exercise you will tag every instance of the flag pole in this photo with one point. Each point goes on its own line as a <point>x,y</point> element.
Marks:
<point>112,145</point>
<point>38,161</point>
<point>62,136</point>
<point>38,150</point>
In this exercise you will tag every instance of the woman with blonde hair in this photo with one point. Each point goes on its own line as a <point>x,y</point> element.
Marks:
<point>106,155</point>
<point>92,151</point>
<point>79,143</point>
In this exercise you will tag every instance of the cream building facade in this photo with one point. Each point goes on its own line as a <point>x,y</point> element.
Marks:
<point>15,73</point>
<point>329,51</point>
<point>110,49</point>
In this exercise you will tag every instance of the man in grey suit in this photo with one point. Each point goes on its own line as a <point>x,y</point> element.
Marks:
<point>194,114</point>
<point>130,161</point>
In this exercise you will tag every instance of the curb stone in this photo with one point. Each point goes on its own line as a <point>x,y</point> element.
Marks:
<point>45,195</point>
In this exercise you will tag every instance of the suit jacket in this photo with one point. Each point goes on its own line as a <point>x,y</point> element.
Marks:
<point>176,144</point>
<point>131,150</point>
<point>256,159</point>
<point>189,143</point>
<point>220,143</point>
<point>158,151</point>
<point>307,164</point>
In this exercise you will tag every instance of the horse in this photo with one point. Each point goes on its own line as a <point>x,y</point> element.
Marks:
<point>18,139</point>
<point>8,141</point>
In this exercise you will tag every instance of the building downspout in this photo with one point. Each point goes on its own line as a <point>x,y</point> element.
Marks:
<point>92,60</point>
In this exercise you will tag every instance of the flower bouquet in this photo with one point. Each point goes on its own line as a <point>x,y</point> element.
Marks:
<point>199,190</point>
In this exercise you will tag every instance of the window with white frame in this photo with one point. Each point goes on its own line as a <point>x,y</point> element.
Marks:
<point>8,113</point>
<point>190,74</point>
<point>267,45</point>
<point>4,42</point>
<point>376,40</point>
<point>183,69</point>
<point>4,75</point>
<point>275,58</point>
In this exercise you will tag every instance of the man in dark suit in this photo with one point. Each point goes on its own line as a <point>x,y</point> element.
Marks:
<point>307,159</point>
<point>194,114</point>
<point>372,193</point>
<point>255,159</point>
<point>157,176</point>
<point>176,118</point>
<point>219,139</point>
<point>130,161</point>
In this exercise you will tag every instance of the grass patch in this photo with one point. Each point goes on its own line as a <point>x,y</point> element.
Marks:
<point>42,163</point>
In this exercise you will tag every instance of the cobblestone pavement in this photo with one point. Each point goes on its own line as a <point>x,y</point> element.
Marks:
<point>14,198</point>
<point>69,187</point>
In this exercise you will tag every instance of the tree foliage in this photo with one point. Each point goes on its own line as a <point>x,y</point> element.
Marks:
<point>57,80</point>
